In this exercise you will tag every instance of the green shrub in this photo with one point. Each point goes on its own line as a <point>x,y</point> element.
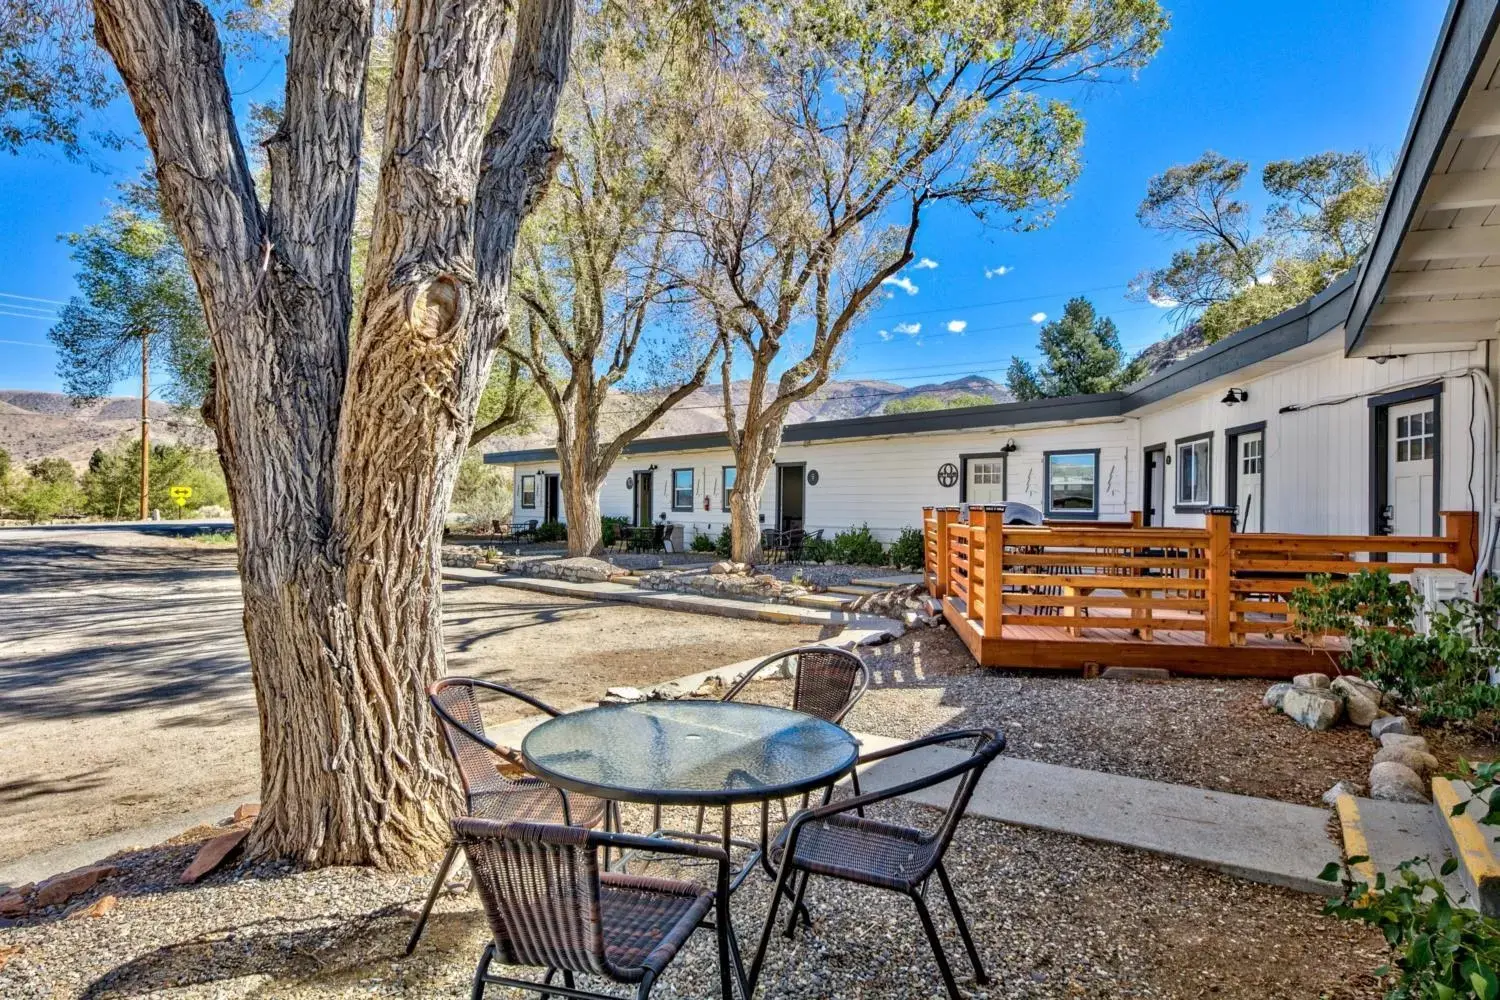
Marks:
<point>724,546</point>
<point>1444,674</point>
<point>609,529</point>
<point>858,547</point>
<point>817,549</point>
<point>551,531</point>
<point>906,550</point>
<point>703,542</point>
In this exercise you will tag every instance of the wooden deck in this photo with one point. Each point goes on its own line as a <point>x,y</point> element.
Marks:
<point>1204,601</point>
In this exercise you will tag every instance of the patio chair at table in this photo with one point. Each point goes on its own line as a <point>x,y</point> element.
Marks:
<point>496,784</point>
<point>551,905</point>
<point>827,683</point>
<point>835,841</point>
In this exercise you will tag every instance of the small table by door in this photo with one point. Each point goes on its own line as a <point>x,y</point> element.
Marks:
<point>691,753</point>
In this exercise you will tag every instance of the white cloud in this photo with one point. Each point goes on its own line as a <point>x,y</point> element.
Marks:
<point>902,283</point>
<point>910,329</point>
<point>925,264</point>
<point>1039,317</point>
<point>885,334</point>
<point>1162,301</point>
<point>957,325</point>
<point>997,272</point>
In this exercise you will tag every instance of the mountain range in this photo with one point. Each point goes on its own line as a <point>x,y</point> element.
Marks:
<point>37,425</point>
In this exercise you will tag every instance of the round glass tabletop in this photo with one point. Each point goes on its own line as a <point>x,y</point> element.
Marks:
<point>689,752</point>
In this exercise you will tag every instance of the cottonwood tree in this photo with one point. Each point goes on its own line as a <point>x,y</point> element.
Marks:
<point>341,423</point>
<point>835,128</point>
<point>595,273</point>
<point>1081,354</point>
<point>1235,273</point>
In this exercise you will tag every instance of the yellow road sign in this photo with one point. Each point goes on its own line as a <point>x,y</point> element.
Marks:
<point>180,494</point>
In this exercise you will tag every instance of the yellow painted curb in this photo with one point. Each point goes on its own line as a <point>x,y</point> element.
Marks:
<point>1355,844</point>
<point>1474,848</point>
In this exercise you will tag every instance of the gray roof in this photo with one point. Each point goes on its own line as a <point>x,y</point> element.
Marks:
<point>1299,325</point>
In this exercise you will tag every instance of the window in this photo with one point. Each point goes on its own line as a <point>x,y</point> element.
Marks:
<point>1072,483</point>
<point>987,473</point>
<point>1250,456</point>
<point>1194,469</point>
<point>682,489</point>
<point>1416,437</point>
<point>528,492</point>
<point>728,474</point>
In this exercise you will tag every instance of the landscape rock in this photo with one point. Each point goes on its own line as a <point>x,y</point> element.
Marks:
<point>61,888</point>
<point>14,903</point>
<point>1340,789</point>
<point>721,568</point>
<point>894,603</point>
<point>712,687</point>
<point>461,556</point>
<point>579,569</point>
<point>1393,724</point>
<point>1313,708</point>
<point>1425,764</point>
<point>8,952</point>
<point>212,854</point>
<point>1403,740</point>
<point>1396,783</point>
<point>1275,695</point>
<point>248,810</point>
<point>99,907</point>
<point>1361,699</point>
<point>623,696</point>
<point>1317,682</point>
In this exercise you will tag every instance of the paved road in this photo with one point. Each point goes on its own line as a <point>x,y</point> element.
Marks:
<point>125,694</point>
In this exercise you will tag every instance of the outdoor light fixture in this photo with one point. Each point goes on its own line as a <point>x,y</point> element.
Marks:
<point>1234,396</point>
<point>1010,446</point>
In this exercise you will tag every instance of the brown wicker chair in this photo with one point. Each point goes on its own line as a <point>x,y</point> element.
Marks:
<point>834,840</point>
<point>496,785</point>
<point>549,905</point>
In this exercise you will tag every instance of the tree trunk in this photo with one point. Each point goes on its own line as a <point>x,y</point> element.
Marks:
<point>760,437</point>
<point>578,458</point>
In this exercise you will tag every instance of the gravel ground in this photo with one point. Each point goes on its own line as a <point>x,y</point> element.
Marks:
<point>1054,917</point>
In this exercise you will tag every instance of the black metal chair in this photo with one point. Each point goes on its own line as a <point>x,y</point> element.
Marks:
<point>551,906</point>
<point>495,782</point>
<point>835,840</point>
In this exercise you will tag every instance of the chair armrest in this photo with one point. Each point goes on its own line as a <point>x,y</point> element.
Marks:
<point>935,739</point>
<point>522,696</point>
<point>660,845</point>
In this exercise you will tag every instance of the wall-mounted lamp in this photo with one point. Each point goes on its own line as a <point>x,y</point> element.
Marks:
<point>651,467</point>
<point>1234,396</point>
<point>1010,446</point>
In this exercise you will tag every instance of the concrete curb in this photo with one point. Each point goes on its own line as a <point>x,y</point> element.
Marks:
<point>877,629</point>
<point>1356,844</point>
<point>1478,868</point>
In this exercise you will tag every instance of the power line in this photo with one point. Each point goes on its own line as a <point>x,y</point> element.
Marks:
<point>19,315</point>
<point>24,343</point>
<point>31,298</point>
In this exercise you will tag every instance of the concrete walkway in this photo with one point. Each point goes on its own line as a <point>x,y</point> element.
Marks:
<point>699,604</point>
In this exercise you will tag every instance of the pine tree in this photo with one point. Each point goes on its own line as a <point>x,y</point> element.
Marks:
<point>1082,355</point>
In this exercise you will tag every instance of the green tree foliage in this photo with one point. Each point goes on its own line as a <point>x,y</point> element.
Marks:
<point>5,464</point>
<point>52,76</point>
<point>1233,274</point>
<point>52,470</point>
<point>925,404</point>
<point>38,500</point>
<point>135,283</point>
<point>1081,354</point>
<point>111,485</point>
<point>482,492</point>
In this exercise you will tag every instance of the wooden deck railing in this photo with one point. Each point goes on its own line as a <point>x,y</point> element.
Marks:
<point>1207,586</point>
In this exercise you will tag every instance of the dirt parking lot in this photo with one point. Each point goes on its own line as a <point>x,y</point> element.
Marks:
<point>125,694</point>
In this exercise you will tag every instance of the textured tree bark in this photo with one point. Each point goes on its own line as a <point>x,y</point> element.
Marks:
<point>340,463</point>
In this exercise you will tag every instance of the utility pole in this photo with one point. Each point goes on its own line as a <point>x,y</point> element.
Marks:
<point>145,426</point>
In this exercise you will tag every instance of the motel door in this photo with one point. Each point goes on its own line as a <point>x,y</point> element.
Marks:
<point>1156,488</point>
<point>1250,493</point>
<point>1411,460</point>
<point>984,480</point>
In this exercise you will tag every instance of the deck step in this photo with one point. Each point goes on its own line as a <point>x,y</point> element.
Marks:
<point>826,602</point>
<point>857,590</point>
<point>887,582</point>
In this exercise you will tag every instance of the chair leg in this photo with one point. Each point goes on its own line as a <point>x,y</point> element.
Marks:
<point>937,947</point>
<point>477,993</point>
<point>644,990</point>
<point>765,934</point>
<point>798,908</point>
<point>963,926</point>
<point>721,933</point>
<point>699,827</point>
<point>437,886</point>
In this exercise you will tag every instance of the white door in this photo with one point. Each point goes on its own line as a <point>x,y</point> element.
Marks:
<point>986,480</point>
<point>1411,442</point>
<point>1250,494</point>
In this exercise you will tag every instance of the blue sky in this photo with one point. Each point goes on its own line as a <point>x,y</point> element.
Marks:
<point>1253,79</point>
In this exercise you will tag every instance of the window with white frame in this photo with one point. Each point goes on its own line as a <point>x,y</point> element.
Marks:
<point>1250,456</point>
<point>528,492</point>
<point>1416,437</point>
<point>1194,472</point>
<point>987,473</point>
<point>1072,483</point>
<point>728,476</point>
<point>682,489</point>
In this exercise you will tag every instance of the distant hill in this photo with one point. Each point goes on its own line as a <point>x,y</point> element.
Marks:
<point>1169,350</point>
<point>37,425</point>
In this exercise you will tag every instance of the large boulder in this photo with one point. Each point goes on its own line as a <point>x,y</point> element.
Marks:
<point>1316,681</point>
<point>1404,740</point>
<point>1425,764</point>
<point>1275,695</point>
<point>1313,708</point>
<point>1396,725</point>
<point>579,569</point>
<point>1361,699</point>
<point>1396,783</point>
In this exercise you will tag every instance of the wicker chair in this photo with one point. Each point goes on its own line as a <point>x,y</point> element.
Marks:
<point>549,905</point>
<point>836,841</point>
<point>496,785</point>
<point>828,683</point>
